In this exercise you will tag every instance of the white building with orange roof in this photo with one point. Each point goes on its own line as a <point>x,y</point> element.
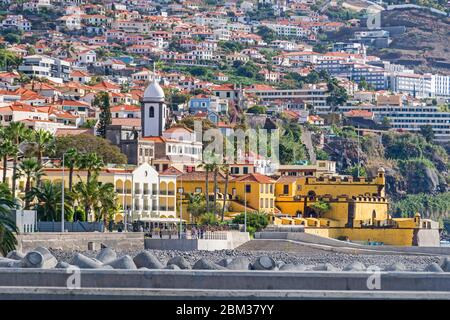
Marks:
<point>126,111</point>
<point>20,111</point>
<point>80,76</point>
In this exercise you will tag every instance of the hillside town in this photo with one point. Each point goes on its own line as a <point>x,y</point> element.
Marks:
<point>141,139</point>
<point>108,97</point>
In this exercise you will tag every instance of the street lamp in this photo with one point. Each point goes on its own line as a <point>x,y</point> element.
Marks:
<point>245,208</point>
<point>181,203</point>
<point>62,194</point>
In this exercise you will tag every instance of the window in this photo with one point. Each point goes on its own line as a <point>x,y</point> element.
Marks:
<point>286,189</point>
<point>245,170</point>
<point>198,190</point>
<point>261,203</point>
<point>151,112</point>
<point>248,188</point>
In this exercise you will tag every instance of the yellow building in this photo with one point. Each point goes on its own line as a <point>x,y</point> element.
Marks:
<point>142,192</point>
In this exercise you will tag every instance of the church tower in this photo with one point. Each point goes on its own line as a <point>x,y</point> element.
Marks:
<point>153,111</point>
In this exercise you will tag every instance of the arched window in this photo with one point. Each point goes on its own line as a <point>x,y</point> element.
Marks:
<point>151,112</point>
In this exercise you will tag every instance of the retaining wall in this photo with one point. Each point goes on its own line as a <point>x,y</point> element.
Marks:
<point>233,239</point>
<point>226,279</point>
<point>80,240</point>
<point>314,239</point>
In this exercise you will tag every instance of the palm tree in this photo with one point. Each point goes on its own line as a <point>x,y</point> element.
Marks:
<point>215,170</point>
<point>17,132</point>
<point>32,170</point>
<point>107,201</point>
<point>8,228</point>
<point>226,169</point>
<point>88,193</point>
<point>45,143</point>
<point>48,196</point>
<point>92,163</point>
<point>196,205</point>
<point>71,159</point>
<point>7,148</point>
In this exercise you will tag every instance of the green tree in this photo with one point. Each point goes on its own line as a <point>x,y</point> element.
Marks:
<point>7,149</point>
<point>356,171</point>
<point>32,171</point>
<point>8,229</point>
<point>196,205</point>
<point>427,132</point>
<point>45,143</point>
<point>101,101</point>
<point>90,162</point>
<point>267,34</point>
<point>88,143</point>
<point>9,60</point>
<point>17,132</point>
<point>321,207</point>
<point>255,221</point>
<point>12,38</point>
<point>48,200</point>
<point>71,159</point>
<point>257,110</point>
<point>337,94</point>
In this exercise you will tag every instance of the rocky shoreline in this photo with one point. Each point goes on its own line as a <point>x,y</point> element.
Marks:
<point>306,260</point>
<point>310,258</point>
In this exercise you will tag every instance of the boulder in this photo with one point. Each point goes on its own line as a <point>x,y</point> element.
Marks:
<point>397,266</point>
<point>280,263</point>
<point>445,264</point>
<point>264,263</point>
<point>83,262</point>
<point>325,267</point>
<point>10,263</point>
<point>124,262</point>
<point>293,267</point>
<point>179,261</point>
<point>225,262</point>
<point>172,267</point>
<point>15,255</point>
<point>355,266</point>
<point>433,267</point>
<point>205,264</point>
<point>64,265</point>
<point>147,260</point>
<point>40,257</point>
<point>239,263</point>
<point>106,255</point>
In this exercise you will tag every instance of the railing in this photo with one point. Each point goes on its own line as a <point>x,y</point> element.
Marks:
<point>189,235</point>
<point>287,228</point>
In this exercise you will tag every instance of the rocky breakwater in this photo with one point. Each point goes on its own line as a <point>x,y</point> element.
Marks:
<point>107,258</point>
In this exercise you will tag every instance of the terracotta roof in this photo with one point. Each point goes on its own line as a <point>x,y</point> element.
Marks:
<point>255,177</point>
<point>125,107</point>
<point>73,132</point>
<point>132,122</point>
<point>171,171</point>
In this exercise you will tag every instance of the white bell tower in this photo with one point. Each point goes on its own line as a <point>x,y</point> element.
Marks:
<point>153,111</point>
